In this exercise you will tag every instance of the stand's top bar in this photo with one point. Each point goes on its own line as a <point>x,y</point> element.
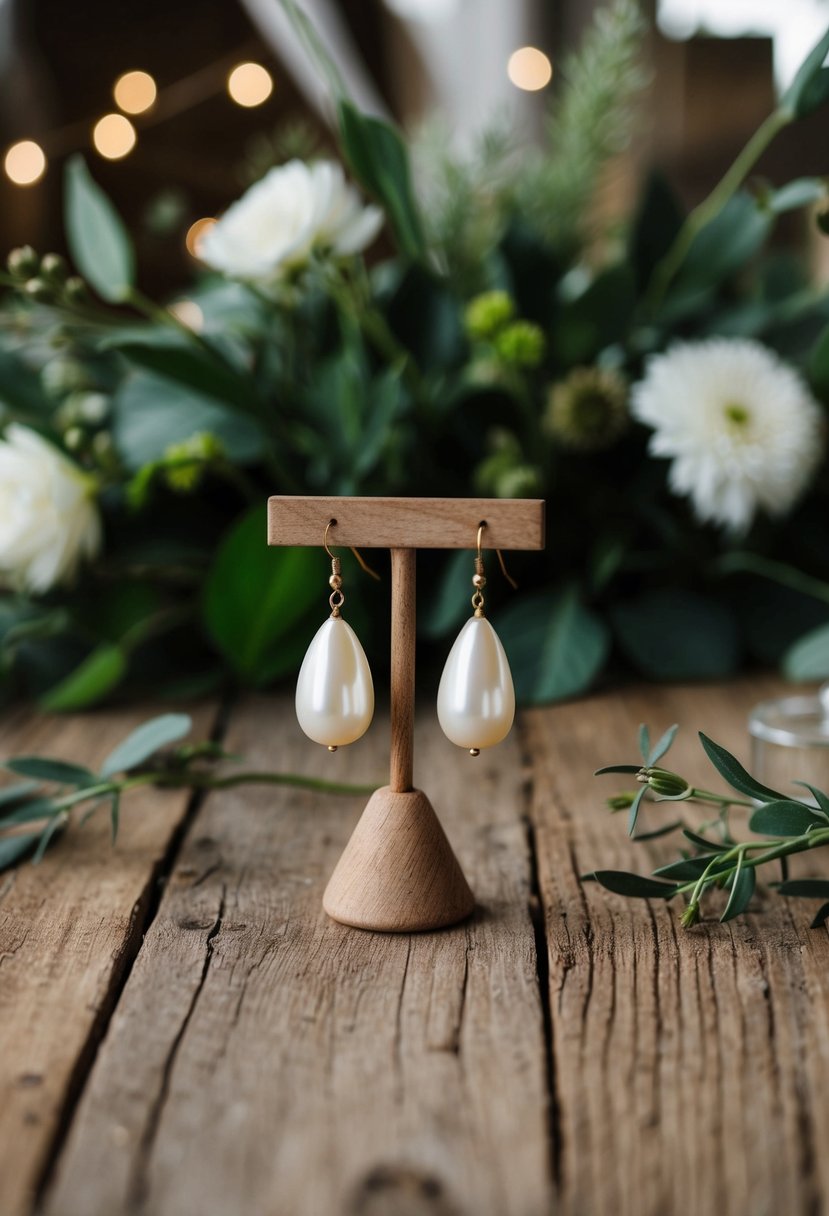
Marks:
<point>407,523</point>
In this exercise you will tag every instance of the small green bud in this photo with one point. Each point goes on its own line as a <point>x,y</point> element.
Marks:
<point>690,916</point>
<point>588,410</point>
<point>23,262</point>
<point>523,481</point>
<point>665,784</point>
<point>92,408</point>
<point>39,290</point>
<point>63,375</point>
<point>520,344</point>
<point>75,289</point>
<point>185,462</point>
<point>74,438</point>
<point>53,268</point>
<point>621,802</point>
<point>488,313</point>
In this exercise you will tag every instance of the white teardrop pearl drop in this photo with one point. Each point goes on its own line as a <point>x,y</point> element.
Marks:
<point>334,691</point>
<point>476,698</point>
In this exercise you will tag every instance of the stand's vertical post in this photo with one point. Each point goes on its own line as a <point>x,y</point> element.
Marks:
<point>403,624</point>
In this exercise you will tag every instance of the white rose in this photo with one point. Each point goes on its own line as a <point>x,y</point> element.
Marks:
<point>49,519</point>
<point>279,222</point>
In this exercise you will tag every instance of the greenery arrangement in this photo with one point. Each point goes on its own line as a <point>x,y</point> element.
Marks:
<point>34,812</point>
<point>717,861</point>
<point>662,383</point>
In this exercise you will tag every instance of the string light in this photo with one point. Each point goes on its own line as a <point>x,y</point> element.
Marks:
<point>196,234</point>
<point>249,84</point>
<point>113,136</point>
<point>135,92</point>
<point>25,163</point>
<point>529,68</point>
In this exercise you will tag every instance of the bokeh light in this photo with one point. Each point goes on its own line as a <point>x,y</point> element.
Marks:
<point>25,163</point>
<point>249,84</point>
<point>134,92</point>
<point>529,68</point>
<point>196,234</point>
<point>113,136</point>
<point>189,313</point>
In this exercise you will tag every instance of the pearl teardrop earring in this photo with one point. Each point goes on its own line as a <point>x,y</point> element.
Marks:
<point>476,698</point>
<point>334,691</point>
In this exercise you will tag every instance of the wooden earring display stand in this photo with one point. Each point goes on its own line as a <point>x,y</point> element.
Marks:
<point>398,872</point>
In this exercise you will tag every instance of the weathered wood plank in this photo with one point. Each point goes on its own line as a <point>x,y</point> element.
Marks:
<point>691,1067</point>
<point>68,928</point>
<point>265,1059</point>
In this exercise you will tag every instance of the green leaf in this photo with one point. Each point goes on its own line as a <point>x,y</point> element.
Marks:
<point>726,242</point>
<point>800,193</point>
<point>644,742</point>
<point>91,681</point>
<point>556,645</point>
<point>663,745</point>
<point>206,374</point>
<point>44,769</point>
<point>21,391</point>
<point>150,413</point>
<point>12,848</point>
<point>710,846</point>
<point>56,825</point>
<point>686,869</point>
<point>808,658</point>
<point>379,159</point>
<point>96,235</point>
<point>820,798</point>
<point>677,635</point>
<point>144,741</point>
<point>742,889</point>
<point>738,778</point>
<point>784,818</point>
<point>448,604</point>
<point>633,813</point>
<point>10,794</point>
<point>622,883</point>
<point>657,832</point>
<point>821,918</point>
<point>114,814</point>
<point>806,888</point>
<point>253,596</point>
<point>618,768</point>
<point>656,226</point>
<point>597,318</point>
<point>819,364</point>
<point>806,91</point>
<point>27,812</point>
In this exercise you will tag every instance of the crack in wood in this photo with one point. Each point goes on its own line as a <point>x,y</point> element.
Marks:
<point>139,1188</point>
<point>143,914</point>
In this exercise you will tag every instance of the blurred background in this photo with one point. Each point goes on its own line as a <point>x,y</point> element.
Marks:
<point>178,105</point>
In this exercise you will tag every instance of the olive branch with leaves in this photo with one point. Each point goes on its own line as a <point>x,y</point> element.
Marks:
<point>716,860</point>
<point>30,818</point>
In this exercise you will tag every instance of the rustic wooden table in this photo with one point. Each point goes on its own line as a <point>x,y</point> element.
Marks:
<point>184,1032</point>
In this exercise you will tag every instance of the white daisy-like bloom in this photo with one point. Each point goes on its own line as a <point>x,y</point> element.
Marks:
<point>49,519</point>
<point>740,426</point>
<point>295,210</point>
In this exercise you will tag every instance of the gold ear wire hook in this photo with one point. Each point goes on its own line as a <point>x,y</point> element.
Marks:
<point>501,562</point>
<point>363,563</point>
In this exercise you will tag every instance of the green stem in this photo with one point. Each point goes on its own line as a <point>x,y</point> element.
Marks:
<point>776,572</point>
<point>790,846</point>
<point>711,206</point>
<point>719,799</point>
<point>206,781</point>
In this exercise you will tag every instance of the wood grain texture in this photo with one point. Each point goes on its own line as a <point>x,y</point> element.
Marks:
<point>403,641</point>
<point>398,873</point>
<point>266,1060</point>
<point>691,1067</point>
<point>68,930</point>
<point>412,523</point>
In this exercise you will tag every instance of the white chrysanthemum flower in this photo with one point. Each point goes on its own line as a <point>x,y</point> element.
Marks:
<point>280,221</point>
<point>49,519</point>
<point>740,426</point>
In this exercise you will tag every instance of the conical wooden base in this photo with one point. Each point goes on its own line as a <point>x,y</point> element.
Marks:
<point>398,873</point>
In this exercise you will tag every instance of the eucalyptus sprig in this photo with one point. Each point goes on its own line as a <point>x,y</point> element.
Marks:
<point>785,826</point>
<point>145,757</point>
